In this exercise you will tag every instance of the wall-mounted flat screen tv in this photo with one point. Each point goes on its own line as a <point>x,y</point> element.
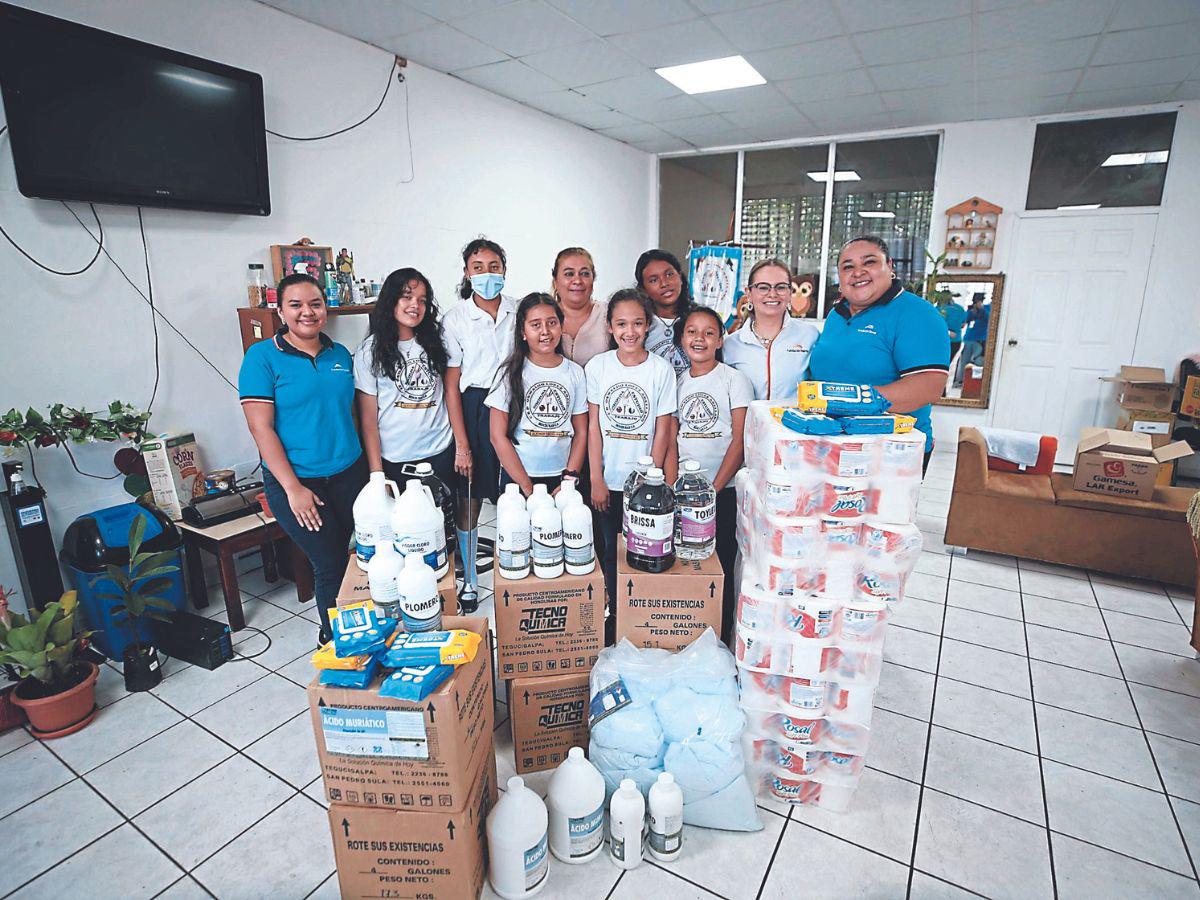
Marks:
<point>99,117</point>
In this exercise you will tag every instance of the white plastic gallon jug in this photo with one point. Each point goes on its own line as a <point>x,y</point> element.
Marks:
<point>373,516</point>
<point>547,532</point>
<point>512,535</point>
<point>576,801</point>
<point>419,600</point>
<point>666,818</point>
<point>518,858</point>
<point>579,552</point>
<point>382,570</point>
<point>626,820</point>
<point>418,527</point>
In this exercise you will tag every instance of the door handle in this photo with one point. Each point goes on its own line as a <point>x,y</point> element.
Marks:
<point>1012,342</point>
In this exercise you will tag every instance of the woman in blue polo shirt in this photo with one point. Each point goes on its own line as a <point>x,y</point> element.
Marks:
<point>883,335</point>
<point>297,392</point>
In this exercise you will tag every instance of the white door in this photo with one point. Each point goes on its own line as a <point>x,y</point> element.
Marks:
<point>1076,294</point>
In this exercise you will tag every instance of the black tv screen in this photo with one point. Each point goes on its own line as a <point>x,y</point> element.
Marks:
<point>99,117</point>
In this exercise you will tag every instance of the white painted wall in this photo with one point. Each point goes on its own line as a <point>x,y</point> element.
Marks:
<point>482,164</point>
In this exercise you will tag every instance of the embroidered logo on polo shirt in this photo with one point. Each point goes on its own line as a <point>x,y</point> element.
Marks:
<point>338,367</point>
<point>869,328</point>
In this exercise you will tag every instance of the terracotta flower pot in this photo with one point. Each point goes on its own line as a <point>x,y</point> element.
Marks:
<point>65,713</point>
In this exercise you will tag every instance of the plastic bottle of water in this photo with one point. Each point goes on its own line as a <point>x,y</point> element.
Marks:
<point>695,513</point>
<point>512,534</point>
<point>518,855</point>
<point>373,516</point>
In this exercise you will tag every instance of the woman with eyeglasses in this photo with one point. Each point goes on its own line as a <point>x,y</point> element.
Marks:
<point>772,348</point>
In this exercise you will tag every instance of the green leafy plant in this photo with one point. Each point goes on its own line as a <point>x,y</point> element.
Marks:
<point>63,424</point>
<point>44,648</point>
<point>141,584</point>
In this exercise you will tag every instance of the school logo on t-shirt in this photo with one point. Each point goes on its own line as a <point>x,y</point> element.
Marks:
<point>667,350</point>
<point>548,405</point>
<point>627,406</point>
<point>698,414</point>
<point>416,383</point>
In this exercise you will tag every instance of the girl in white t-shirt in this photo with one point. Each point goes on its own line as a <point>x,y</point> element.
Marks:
<point>631,396</point>
<point>709,425</point>
<point>539,402</point>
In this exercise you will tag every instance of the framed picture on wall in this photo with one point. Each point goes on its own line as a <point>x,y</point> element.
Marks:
<point>287,259</point>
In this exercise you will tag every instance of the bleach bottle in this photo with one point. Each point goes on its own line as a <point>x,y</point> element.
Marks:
<point>382,571</point>
<point>650,525</point>
<point>512,534</point>
<point>666,818</point>
<point>418,598</point>
<point>443,499</point>
<point>576,801</point>
<point>373,516</point>
<point>518,859</point>
<point>579,552</point>
<point>417,527</point>
<point>626,823</point>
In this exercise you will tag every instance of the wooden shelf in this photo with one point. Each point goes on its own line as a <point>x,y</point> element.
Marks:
<point>258,323</point>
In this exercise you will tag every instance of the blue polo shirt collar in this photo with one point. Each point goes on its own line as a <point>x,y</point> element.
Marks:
<point>286,347</point>
<point>842,307</point>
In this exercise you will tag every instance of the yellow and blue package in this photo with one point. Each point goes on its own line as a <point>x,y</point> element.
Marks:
<point>809,423</point>
<point>414,682</point>
<point>327,658</point>
<point>428,648</point>
<point>834,398</point>
<point>885,424</point>
<point>359,628</point>
<point>352,678</point>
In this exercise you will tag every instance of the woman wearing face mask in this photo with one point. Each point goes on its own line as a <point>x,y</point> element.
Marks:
<point>661,278</point>
<point>584,331</point>
<point>772,348</point>
<point>479,336</point>
<point>882,335</point>
<point>297,390</point>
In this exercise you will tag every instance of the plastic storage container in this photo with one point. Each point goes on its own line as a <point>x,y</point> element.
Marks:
<point>576,802</point>
<point>518,854</point>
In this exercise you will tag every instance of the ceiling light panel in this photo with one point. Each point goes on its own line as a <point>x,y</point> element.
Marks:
<point>721,74</point>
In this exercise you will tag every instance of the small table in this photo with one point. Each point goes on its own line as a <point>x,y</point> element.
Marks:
<point>229,538</point>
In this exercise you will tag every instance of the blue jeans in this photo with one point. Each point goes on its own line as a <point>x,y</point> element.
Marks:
<point>328,548</point>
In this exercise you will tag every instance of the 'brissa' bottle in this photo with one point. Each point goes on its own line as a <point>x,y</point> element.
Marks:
<point>650,525</point>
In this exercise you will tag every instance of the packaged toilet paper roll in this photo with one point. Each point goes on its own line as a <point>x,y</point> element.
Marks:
<point>791,493</point>
<point>862,622</point>
<point>901,454</point>
<point>900,542</point>
<point>839,575</point>
<point>793,538</point>
<point>840,536</point>
<point>810,657</point>
<point>757,609</point>
<point>849,457</point>
<point>895,499</point>
<point>846,498</point>
<point>808,695</point>
<point>879,580</point>
<point>810,616</point>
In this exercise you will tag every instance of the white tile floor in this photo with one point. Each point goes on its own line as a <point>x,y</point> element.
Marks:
<point>1037,735</point>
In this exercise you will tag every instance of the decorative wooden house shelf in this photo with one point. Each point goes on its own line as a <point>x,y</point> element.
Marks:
<point>971,235</point>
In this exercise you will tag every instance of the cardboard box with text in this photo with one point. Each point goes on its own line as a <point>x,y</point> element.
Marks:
<point>354,588</point>
<point>549,716</point>
<point>1143,387</point>
<point>668,609</point>
<point>175,471</point>
<point>412,854</point>
<point>399,754</point>
<point>1122,463</point>
<point>549,626</point>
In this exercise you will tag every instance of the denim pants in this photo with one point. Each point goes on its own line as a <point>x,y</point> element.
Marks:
<point>327,548</point>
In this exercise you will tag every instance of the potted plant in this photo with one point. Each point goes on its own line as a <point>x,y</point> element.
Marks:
<point>57,691</point>
<point>139,587</point>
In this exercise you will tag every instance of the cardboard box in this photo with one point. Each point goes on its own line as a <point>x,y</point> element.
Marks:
<point>406,853</point>
<point>380,751</point>
<point>1121,463</point>
<point>1155,423</point>
<point>549,626</point>
<point>668,609</point>
<point>1189,404</point>
<point>354,587</point>
<point>549,716</point>
<point>175,471</point>
<point>1143,387</point>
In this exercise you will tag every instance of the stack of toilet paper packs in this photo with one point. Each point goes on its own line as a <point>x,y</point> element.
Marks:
<point>825,527</point>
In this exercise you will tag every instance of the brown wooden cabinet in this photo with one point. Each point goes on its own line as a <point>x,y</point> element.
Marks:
<point>260,323</point>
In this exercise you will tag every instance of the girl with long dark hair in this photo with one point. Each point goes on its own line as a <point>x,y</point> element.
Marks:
<point>539,403</point>
<point>661,278</point>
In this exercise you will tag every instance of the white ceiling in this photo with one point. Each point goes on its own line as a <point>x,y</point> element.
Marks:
<point>832,66</point>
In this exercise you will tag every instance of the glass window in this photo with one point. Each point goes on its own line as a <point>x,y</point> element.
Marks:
<point>884,188</point>
<point>696,196</point>
<point>1098,163</point>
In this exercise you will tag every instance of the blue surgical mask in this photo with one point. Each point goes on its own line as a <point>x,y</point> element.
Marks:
<point>488,285</point>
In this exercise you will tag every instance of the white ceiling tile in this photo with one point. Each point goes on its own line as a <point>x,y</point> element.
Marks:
<point>1041,85</point>
<point>1189,90</point>
<point>666,144</point>
<point>780,117</point>
<point>443,47</point>
<point>932,40</point>
<point>586,63</point>
<point>510,79</point>
<point>666,110</point>
<point>700,128</point>
<point>759,96</point>
<point>566,104</point>
<point>957,69</point>
<point>639,132</point>
<point>606,17</point>
<point>1147,43</point>
<point>674,45</point>
<point>1038,23</point>
<point>877,14</point>
<point>946,97</point>
<point>446,10</point>
<point>786,132</point>
<point>712,7</point>
<point>853,124</point>
<point>846,108</point>
<point>367,20</point>
<point>1085,100</point>
<point>816,58</point>
<point>523,27</point>
<point>838,83</point>
<point>1024,59</point>
<point>779,24</point>
<point>631,89</point>
<point>1140,14</point>
<point>1019,107</point>
<point>605,118</point>
<point>1127,75</point>
<point>912,118</point>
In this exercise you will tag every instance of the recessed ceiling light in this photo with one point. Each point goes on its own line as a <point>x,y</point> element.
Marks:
<point>876,214</point>
<point>1082,206</point>
<point>1137,159</point>
<point>840,175</point>
<point>712,75</point>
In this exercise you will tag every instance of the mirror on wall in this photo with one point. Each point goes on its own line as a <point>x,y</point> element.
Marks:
<point>970,304</point>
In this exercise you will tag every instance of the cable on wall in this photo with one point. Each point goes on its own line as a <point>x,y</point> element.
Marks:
<point>397,62</point>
